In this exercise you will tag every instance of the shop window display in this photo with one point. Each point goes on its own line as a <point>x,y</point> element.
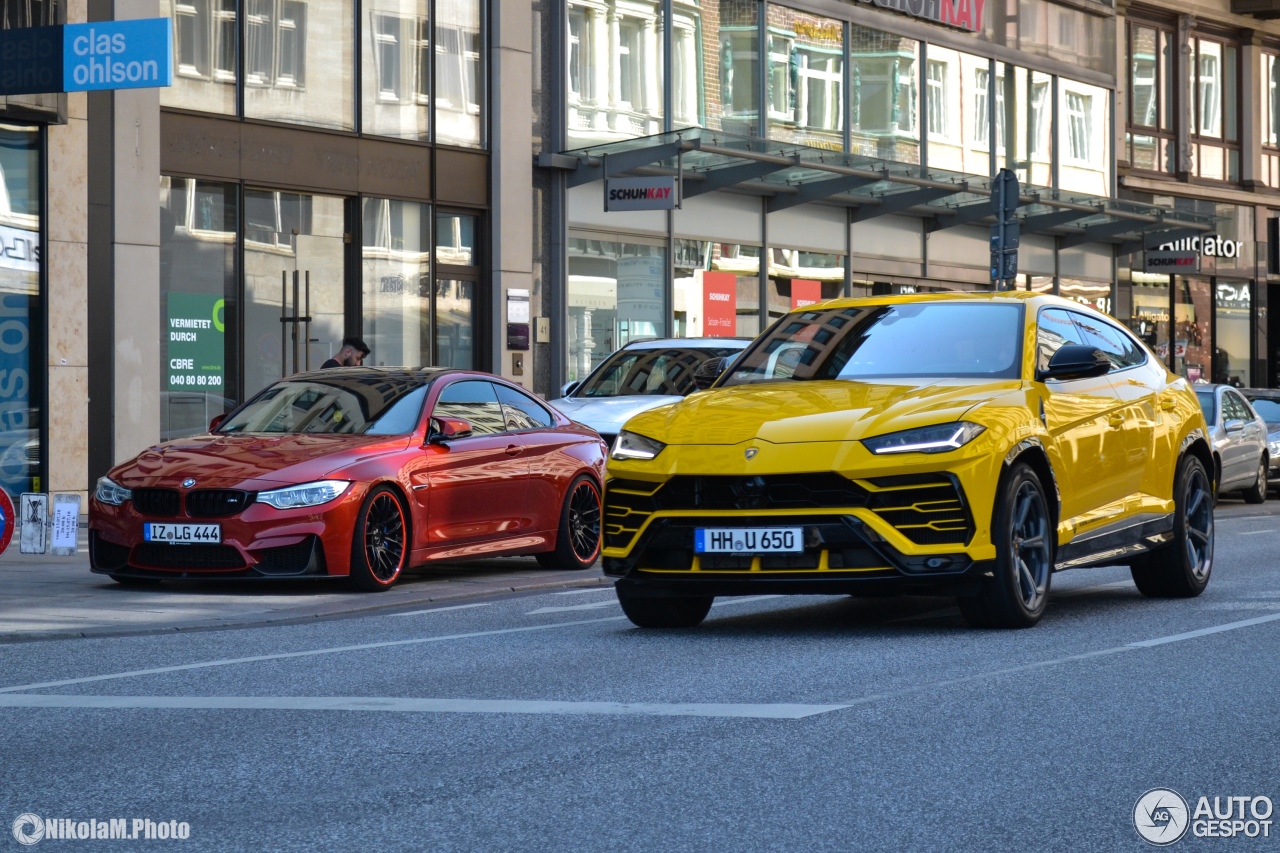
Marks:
<point>615,294</point>
<point>717,289</point>
<point>798,278</point>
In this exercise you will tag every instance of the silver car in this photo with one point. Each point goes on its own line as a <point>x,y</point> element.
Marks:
<point>1266,402</point>
<point>642,375</point>
<point>1239,437</point>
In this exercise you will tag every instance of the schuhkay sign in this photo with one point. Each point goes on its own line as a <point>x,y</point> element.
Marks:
<point>133,54</point>
<point>965,14</point>
<point>639,194</point>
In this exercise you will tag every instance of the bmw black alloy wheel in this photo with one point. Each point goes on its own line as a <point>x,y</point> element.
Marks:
<point>1199,524</point>
<point>1029,546</point>
<point>384,537</point>
<point>584,521</point>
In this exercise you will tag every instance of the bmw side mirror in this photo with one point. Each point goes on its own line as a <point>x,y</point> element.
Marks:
<point>706,374</point>
<point>1234,425</point>
<point>448,429</point>
<point>216,422</point>
<point>1076,361</point>
<point>568,388</point>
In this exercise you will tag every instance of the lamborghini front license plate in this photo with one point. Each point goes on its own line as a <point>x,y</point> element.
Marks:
<point>748,540</point>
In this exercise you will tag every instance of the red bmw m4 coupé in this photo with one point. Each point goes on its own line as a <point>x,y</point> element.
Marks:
<point>356,472</point>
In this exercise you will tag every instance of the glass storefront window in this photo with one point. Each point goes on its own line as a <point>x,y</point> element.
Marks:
<point>884,111</point>
<point>286,234</point>
<point>396,57</point>
<point>1084,140</point>
<point>1232,365</point>
<point>21,221</point>
<point>457,280</point>
<point>717,289</point>
<point>798,278</point>
<point>198,309</point>
<point>806,78</point>
<point>299,62</point>
<point>395,271</point>
<point>204,55</point>
<point>1149,312</point>
<point>615,295</point>
<point>459,69</point>
<point>614,77</point>
<point>1192,335</point>
<point>714,47</point>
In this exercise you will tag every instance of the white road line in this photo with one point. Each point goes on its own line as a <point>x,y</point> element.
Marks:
<point>1253,532</point>
<point>725,602</point>
<point>592,606</point>
<point>767,711</point>
<point>438,609</point>
<point>581,591</point>
<point>1204,632</point>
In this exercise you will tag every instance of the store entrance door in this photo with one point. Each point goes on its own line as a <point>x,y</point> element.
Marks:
<point>294,259</point>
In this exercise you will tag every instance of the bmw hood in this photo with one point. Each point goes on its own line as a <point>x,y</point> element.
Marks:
<point>795,412</point>
<point>249,461</point>
<point>608,414</point>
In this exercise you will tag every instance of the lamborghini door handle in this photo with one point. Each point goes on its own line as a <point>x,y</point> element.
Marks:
<point>1115,420</point>
<point>1168,404</point>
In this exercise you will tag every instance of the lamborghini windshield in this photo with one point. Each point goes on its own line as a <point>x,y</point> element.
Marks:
<point>939,340</point>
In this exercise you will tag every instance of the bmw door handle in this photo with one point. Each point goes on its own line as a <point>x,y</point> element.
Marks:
<point>514,450</point>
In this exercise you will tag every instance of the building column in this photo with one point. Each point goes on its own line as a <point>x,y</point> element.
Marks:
<point>1252,91</point>
<point>615,59</point>
<point>511,213</point>
<point>652,63</point>
<point>599,67</point>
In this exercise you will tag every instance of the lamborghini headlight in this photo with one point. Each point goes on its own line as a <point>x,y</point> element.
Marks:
<point>631,446</point>
<point>306,494</point>
<point>931,439</point>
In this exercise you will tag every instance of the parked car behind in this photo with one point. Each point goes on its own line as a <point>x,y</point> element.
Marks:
<point>1239,438</point>
<point>642,375</point>
<point>1266,402</point>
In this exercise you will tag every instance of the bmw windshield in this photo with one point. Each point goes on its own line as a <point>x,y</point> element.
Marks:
<point>935,340</point>
<point>349,405</point>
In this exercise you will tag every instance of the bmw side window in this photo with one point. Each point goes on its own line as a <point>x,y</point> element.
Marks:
<point>521,411</point>
<point>474,401</point>
<point>1054,331</point>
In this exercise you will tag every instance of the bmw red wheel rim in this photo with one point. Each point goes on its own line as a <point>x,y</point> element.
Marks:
<point>584,522</point>
<point>384,537</point>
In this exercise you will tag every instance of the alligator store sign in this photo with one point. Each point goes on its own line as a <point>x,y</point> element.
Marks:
<point>964,14</point>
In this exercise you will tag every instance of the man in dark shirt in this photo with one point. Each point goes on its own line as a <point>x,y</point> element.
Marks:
<point>351,355</point>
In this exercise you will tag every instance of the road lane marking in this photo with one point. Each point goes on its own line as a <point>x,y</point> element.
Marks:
<point>1204,632</point>
<point>756,711</point>
<point>592,606</point>
<point>581,591</point>
<point>1253,532</point>
<point>725,602</point>
<point>439,609</point>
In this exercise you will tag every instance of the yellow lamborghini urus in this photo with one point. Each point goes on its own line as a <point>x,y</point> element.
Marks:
<point>944,444</point>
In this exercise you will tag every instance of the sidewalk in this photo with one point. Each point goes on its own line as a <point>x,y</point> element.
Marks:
<point>46,597</point>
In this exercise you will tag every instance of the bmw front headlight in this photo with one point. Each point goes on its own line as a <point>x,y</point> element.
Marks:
<point>110,492</point>
<point>307,494</point>
<point>930,439</point>
<point>629,446</point>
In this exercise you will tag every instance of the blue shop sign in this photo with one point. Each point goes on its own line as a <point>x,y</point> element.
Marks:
<point>117,55</point>
<point>134,54</point>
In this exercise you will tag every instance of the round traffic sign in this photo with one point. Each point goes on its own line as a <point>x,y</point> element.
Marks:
<point>8,520</point>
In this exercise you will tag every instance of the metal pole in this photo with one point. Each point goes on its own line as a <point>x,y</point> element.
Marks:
<point>306,325</point>
<point>284,315</point>
<point>295,321</point>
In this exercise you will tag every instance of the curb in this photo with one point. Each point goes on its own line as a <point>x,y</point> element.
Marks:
<point>15,638</point>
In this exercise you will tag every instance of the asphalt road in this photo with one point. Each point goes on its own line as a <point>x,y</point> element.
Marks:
<point>545,721</point>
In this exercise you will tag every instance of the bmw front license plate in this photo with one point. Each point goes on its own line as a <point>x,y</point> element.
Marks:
<point>748,540</point>
<point>183,534</point>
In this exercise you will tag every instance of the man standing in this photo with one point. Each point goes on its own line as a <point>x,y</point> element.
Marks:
<point>351,355</point>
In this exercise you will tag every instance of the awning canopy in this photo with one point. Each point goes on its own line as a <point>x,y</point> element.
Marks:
<point>790,174</point>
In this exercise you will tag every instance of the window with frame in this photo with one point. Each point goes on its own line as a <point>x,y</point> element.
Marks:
<point>981,118</point>
<point>936,97</point>
<point>458,80</point>
<point>1270,126</point>
<point>780,95</point>
<point>1079,129</point>
<point>1149,133</point>
<point>1213,88</point>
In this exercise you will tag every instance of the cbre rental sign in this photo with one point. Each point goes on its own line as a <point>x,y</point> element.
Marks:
<point>132,54</point>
